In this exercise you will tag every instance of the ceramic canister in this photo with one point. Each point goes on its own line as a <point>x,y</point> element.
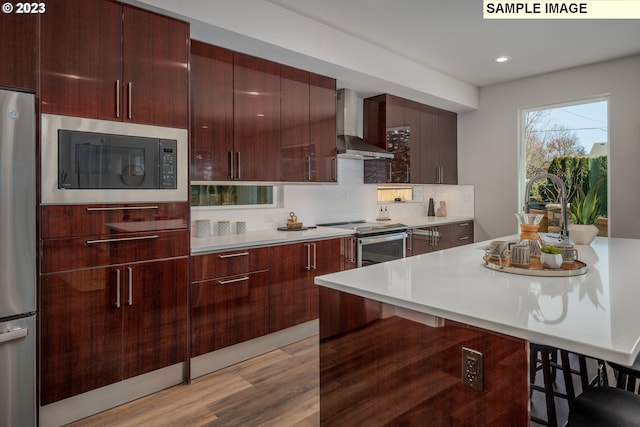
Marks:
<point>241,227</point>
<point>224,228</point>
<point>203,228</point>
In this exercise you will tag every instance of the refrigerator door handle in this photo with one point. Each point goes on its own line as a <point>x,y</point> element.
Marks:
<point>14,335</point>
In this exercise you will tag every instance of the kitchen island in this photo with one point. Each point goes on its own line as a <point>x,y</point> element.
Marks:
<point>393,333</point>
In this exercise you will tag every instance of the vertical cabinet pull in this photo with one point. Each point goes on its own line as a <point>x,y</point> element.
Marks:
<point>130,87</point>
<point>408,178</point>
<point>334,169</point>
<point>118,98</point>
<point>117,288</point>
<point>238,164</point>
<point>311,266</point>
<point>315,257</point>
<point>308,171</point>
<point>231,167</point>
<point>130,300</point>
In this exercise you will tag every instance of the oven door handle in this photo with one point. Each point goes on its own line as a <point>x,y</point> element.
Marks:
<point>384,238</point>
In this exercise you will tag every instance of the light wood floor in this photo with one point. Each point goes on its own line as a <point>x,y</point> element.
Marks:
<point>280,388</point>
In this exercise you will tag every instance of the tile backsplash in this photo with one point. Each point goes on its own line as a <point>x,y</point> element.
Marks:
<point>349,199</point>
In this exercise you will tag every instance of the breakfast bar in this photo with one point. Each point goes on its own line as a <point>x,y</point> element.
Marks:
<point>392,335</point>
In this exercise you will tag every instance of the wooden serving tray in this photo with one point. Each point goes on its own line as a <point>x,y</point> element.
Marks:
<point>535,268</point>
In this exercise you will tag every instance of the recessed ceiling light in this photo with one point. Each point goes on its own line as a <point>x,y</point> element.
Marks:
<point>501,59</point>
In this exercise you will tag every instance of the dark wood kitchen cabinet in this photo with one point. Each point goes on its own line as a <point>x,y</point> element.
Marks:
<point>308,129</point>
<point>229,298</point>
<point>113,294</point>
<point>105,60</point>
<point>18,50</point>
<point>435,238</point>
<point>293,296</point>
<point>422,138</point>
<point>211,77</point>
<point>439,155</point>
<point>256,120</point>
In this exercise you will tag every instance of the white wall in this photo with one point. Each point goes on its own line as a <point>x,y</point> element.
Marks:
<point>488,138</point>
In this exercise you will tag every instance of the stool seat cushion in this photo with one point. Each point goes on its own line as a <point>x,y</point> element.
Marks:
<point>605,407</point>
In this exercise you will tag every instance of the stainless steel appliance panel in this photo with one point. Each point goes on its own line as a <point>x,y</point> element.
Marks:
<point>17,370</point>
<point>17,258</point>
<point>17,204</point>
<point>381,248</point>
<point>51,193</point>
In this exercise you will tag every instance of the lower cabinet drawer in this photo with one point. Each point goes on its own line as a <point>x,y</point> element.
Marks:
<point>228,311</point>
<point>103,250</point>
<point>461,233</point>
<point>222,264</point>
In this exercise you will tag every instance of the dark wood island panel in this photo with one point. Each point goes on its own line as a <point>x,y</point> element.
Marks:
<point>392,366</point>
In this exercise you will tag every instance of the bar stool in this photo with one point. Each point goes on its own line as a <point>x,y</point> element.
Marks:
<point>608,406</point>
<point>547,363</point>
<point>605,407</point>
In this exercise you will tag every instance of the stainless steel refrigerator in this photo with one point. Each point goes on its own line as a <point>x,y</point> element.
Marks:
<point>17,259</point>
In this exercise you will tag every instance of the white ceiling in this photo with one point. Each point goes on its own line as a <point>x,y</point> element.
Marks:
<point>451,36</point>
<point>434,51</point>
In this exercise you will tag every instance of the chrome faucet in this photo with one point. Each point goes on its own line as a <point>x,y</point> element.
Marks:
<point>564,234</point>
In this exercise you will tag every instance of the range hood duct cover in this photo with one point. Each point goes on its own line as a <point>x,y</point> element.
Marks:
<point>349,145</point>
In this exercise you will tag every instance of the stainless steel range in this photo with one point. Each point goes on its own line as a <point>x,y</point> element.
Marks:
<point>375,242</point>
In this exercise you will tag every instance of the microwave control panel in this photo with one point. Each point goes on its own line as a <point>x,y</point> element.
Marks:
<point>168,156</point>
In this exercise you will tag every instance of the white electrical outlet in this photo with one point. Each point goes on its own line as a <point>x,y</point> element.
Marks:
<point>472,369</point>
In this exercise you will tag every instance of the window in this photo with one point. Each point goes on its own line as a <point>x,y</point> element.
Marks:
<point>570,141</point>
<point>233,195</point>
<point>399,193</point>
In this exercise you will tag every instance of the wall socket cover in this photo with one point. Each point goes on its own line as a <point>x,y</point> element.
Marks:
<point>472,369</point>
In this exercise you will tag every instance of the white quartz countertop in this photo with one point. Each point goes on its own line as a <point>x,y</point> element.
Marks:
<point>277,237</point>
<point>263,238</point>
<point>595,314</point>
<point>430,221</point>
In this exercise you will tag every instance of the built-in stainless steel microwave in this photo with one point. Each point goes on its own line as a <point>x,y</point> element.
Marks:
<point>104,161</point>
<point>94,161</point>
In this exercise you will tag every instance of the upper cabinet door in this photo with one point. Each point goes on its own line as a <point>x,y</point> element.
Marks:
<point>18,50</point>
<point>155,68</point>
<point>211,112</point>
<point>108,61</point>
<point>256,112</point>
<point>294,121</point>
<point>322,112</point>
<point>448,133</point>
<point>81,66</point>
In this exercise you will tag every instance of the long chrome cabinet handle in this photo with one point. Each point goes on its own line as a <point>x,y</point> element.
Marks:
<point>130,300</point>
<point>315,256</point>
<point>231,167</point>
<point>14,335</point>
<point>130,86</point>
<point>233,255</point>
<point>238,166</point>
<point>308,266</point>
<point>117,287</point>
<point>124,208</point>
<point>240,279</point>
<point>118,98</point>
<point>121,239</point>
<point>308,160</point>
<point>334,169</point>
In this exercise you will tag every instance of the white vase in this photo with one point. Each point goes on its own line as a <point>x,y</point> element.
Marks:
<point>582,234</point>
<point>551,260</point>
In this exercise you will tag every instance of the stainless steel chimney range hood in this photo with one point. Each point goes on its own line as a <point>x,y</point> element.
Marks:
<point>349,145</point>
